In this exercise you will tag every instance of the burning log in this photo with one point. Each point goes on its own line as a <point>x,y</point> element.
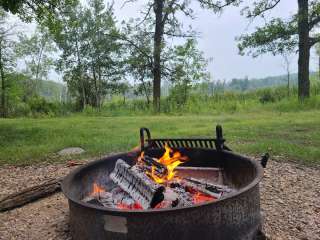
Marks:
<point>216,188</point>
<point>159,168</point>
<point>117,198</point>
<point>209,189</point>
<point>121,197</point>
<point>137,184</point>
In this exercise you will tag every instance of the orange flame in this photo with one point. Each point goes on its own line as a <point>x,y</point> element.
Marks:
<point>171,160</point>
<point>97,189</point>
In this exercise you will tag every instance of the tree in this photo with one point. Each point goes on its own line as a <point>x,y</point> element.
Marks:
<point>91,53</point>
<point>188,66</point>
<point>103,52</point>
<point>182,65</point>
<point>68,39</point>
<point>137,39</point>
<point>37,51</point>
<point>318,53</point>
<point>279,36</point>
<point>287,62</point>
<point>163,15</point>
<point>7,59</point>
<point>121,88</point>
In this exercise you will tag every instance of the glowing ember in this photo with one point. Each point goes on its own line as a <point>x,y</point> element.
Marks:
<point>199,197</point>
<point>129,207</point>
<point>171,159</point>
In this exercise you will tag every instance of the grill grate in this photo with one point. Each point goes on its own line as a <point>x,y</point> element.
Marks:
<point>159,143</point>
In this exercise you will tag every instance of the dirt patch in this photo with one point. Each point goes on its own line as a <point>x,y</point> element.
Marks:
<point>290,199</point>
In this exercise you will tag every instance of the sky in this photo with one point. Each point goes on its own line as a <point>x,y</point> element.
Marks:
<point>218,40</point>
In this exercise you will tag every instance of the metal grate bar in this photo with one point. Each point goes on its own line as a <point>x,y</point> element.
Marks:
<point>182,143</point>
<point>210,143</point>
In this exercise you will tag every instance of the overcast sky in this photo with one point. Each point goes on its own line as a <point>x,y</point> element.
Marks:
<point>217,41</point>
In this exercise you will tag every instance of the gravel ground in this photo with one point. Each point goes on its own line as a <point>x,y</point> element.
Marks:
<point>290,199</point>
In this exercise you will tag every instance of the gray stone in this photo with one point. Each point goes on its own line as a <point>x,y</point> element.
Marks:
<point>71,151</point>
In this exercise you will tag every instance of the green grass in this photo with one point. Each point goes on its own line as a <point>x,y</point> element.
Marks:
<point>290,135</point>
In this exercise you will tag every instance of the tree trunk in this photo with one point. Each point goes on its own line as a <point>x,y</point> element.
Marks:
<point>95,87</point>
<point>81,79</point>
<point>146,92</point>
<point>100,96</point>
<point>319,67</point>
<point>36,87</point>
<point>288,79</point>
<point>158,36</point>
<point>304,50</point>
<point>3,87</point>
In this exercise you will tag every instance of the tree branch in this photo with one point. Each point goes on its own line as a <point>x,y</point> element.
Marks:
<point>121,37</point>
<point>126,2</point>
<point>217,5</point>
<point>146,14</point>
<point>314,22</point>
<point>180,35</point>
<point>186,13</point>
<point>313,41</point>
<point>166,15</point>
<point>259,10</point>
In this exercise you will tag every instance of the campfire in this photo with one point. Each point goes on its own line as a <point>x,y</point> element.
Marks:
<point>171,188</point>
<point>155,183</point>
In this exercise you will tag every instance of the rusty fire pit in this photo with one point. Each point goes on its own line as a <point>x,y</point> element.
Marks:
<point>233,216</point>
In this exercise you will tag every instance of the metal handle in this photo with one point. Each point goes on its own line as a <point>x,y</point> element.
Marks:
<point>142,139</point>
<point>264,160</point>
<point>219,141</point>
<point>219,134</point>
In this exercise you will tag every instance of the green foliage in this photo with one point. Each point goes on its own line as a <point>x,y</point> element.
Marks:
<point>189,68</point>
<point>43,11</point>
<point>277,36</point>
<point>271,99</point>
<point>7,59</point>
<point>267,97</point>
<point>91,55</point>
<point>137,39</point>
<point>36,51</point>
<point>21,101</point>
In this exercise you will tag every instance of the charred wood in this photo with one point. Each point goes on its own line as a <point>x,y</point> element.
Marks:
<point>190,185</point>
<point>121,197</point>
<point>177,197</point>
<point>216,188</point>
<point>137,184</point>
<point>159,168</point>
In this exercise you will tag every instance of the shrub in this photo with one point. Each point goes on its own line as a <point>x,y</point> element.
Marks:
<point>267,97</point>
<point>20,109</point>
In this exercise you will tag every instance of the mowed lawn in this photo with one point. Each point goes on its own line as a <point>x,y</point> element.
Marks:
<point>289,136</point>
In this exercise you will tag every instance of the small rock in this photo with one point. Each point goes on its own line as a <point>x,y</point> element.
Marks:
<point>71,151</point>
